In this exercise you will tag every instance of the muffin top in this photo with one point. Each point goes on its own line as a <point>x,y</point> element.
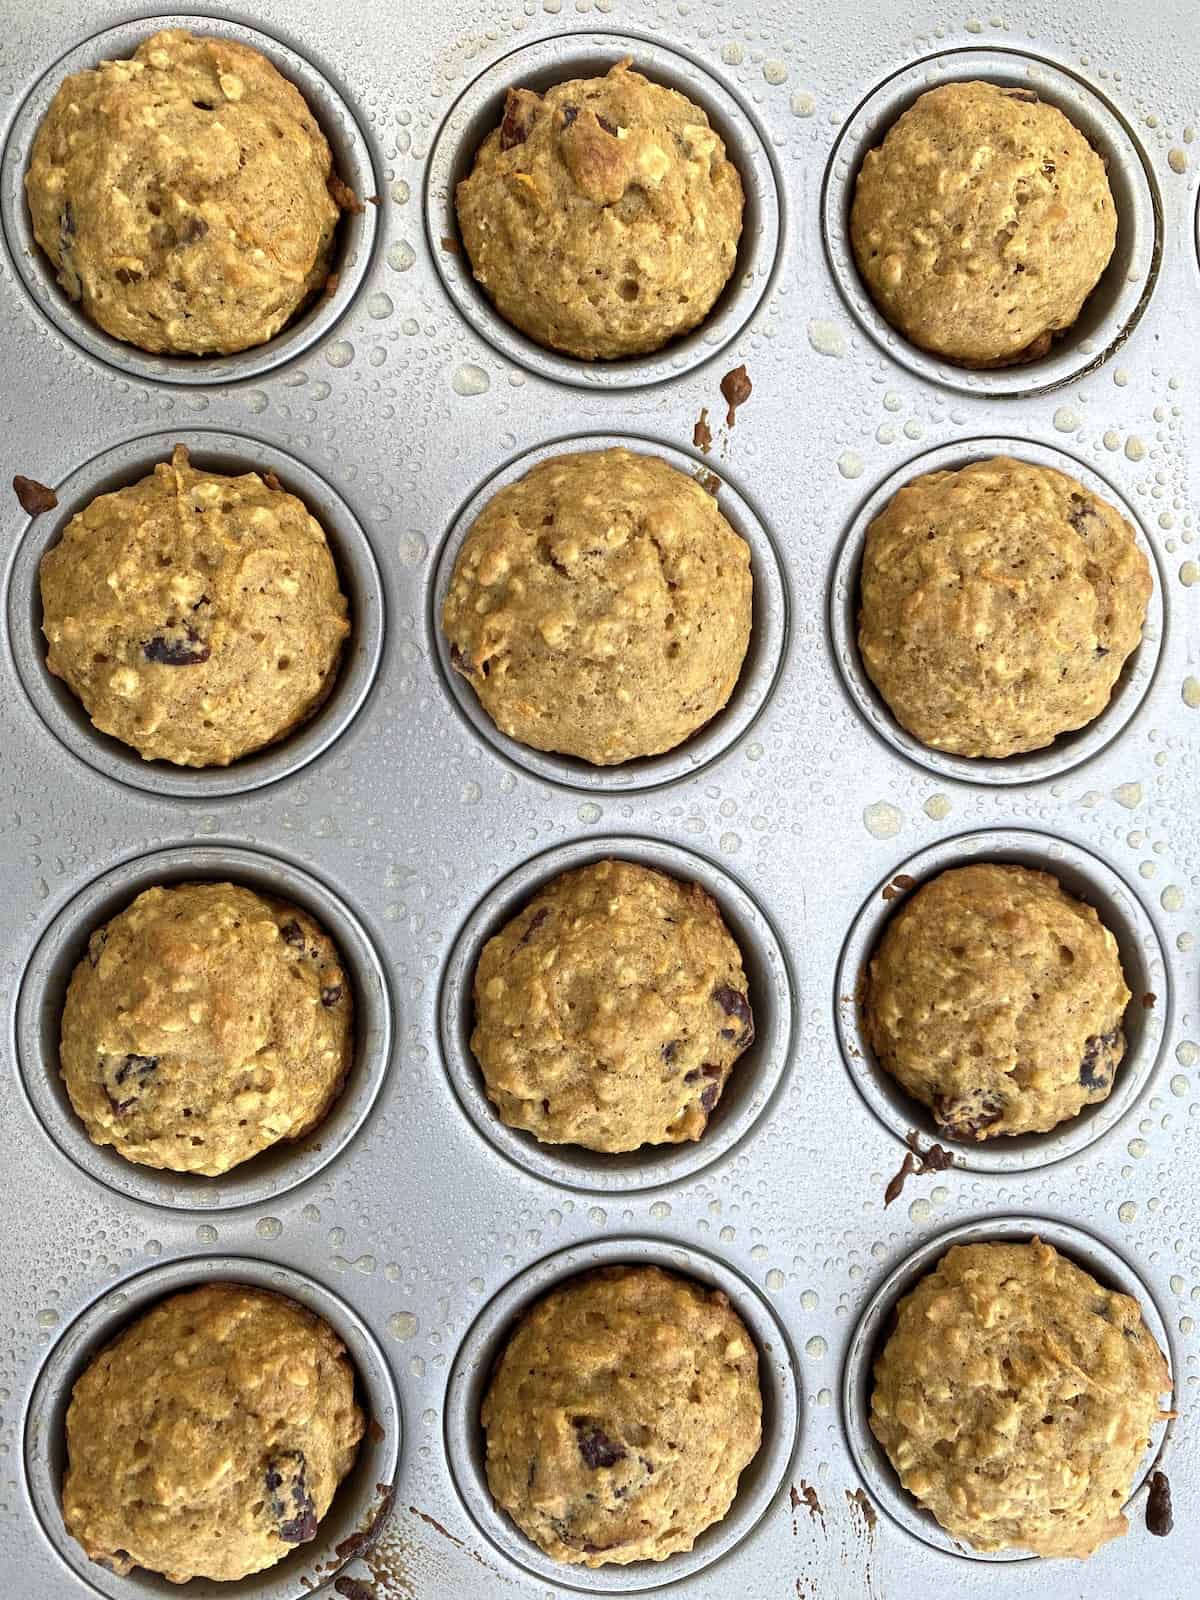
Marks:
<point>997,999</point>
<point>205,1023</point>
<point>208,1438</point>
<point>196,615</point>
<point>600,607</point>
<point>1016,1397</point>
<point>602,218</point>
<point>982,223</point>
<point>620,1416</point>
<point>183,195</point>
<point>999,604</point>
<point>610,1011</point>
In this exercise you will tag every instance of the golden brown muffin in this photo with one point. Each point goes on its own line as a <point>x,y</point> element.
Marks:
<point>600,607</point>
<point>183,195</point>
<point>610,1011</point>
<point>602,218</point>
<point>1016,1397</point>
<point>999,604</point>
<point>197,616</point>
<point>620,1416</point>
<point>208,1439</point>
<point>982,223</point>
<point>205,1023</point>
<point>997,999</point>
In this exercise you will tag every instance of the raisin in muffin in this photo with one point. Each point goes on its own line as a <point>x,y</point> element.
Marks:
<point>999,604</point>
<point>197,616</point>
<point>205,1023</point>
<point>997,999</point>
<point>208,1439</point>
<point>1015,1398</point>
<point>602,218</point>
<point>601,606</point>
<point>982,223</point>
<point>184,196</point>
<point>610,1011</point>
<point>620,1416</point>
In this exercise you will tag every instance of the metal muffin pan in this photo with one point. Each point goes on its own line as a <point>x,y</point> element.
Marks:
<point>213,451</point>
<point>412,1218</point>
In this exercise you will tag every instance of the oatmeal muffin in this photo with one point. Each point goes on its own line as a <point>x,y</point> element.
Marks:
<point>982,223</point>
<point>620,1416</point>
<point>205,1023</point>
<point>997,999</point>
<point>1016,1397</point>
<point>601,607</point>
<point>602,218</point>
<point>999,604</point>
<point>197,616</point>
<point>208,1439</point>
<point>610,1011</point>
<point>184,196</point>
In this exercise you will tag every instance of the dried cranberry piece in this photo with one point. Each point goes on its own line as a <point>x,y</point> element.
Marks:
<point>461,662</point>
<point>189,651</point>
<point>609,127</point>
<point>596,1448</point>
<point>1081,509</point>
<point>1094,1047</point>
<point>569,115</point>
<point>965,1118</point>
<point>290,1502</point>
<point>736,1005</point>
<point>331,994</point>
<point>670,1050</point>
<point>535,922</point>
<point>292,933</point>
<point>123,1084</point>
<point>520,109</point>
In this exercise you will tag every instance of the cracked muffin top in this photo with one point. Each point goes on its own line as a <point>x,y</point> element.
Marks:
<point>610,1011</point>
<point>1015,1398</point>
<point>620,1416</point>
<point>600,607</point>
<point>998,606</point>
<point>205,1023</point>
<point>208,1439</point>
<point>183,195</point>
<point>982,223</point>
<point>196,615</point>
<point>997,999</point>
<point>602,218</point>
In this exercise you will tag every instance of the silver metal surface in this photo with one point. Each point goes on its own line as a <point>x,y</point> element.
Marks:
<point>413,1218</point>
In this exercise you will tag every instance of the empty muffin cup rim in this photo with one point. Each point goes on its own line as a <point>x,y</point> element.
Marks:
<point>359,579</point>
<point>117,1306</point>
<point>281,1168</point>
<point>471,1372</point>
<point>1082,874</point>
<point>761,667</point>
<point>1124,288</point>
<point>559,58</point>
<point>1072,748</point>
<point>1084,1249</point>
<point>745,1101</point>
<point>354,161</point>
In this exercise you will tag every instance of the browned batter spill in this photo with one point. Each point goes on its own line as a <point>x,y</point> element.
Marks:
<point>737,388</point>
<point>35,497</point>
<point>1159,1519</point>
<point>702,433</point>
<point>916,1163</point>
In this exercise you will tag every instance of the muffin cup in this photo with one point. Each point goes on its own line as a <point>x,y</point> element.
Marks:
<point>753,1083</point>
<point>1142,958</point>
<point>539,66</point>
<point>1070,749</point>
<point>361,1504</point>
<point>274,1171</point>
<point>485,1342</point>
<point>217,451</point>
<point>875,1325</point>
<point>1111,311</point>
<point>352,161</point>
<point>760,669</point>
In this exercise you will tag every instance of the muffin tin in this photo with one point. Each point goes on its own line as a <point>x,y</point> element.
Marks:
<point>412,1219</point>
